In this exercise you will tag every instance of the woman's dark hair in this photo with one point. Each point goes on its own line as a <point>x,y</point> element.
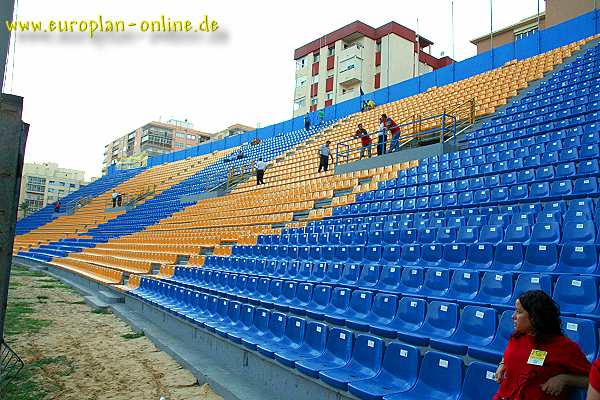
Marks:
<point>544,314</point>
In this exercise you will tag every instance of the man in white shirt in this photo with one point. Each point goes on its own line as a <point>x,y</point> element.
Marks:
<point>324,155</point>
<point>260,166</point>
<point>114,198</point>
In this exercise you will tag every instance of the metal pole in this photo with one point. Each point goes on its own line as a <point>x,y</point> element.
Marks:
<point>443,128</point>
<point>491,27</point>
<point>452,25</point>
<point>7,9</point>
<point>538,28</point>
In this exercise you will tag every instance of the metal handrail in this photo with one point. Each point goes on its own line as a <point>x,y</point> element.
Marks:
<point>406,138</point>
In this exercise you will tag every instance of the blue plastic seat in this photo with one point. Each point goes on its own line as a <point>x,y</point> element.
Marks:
<point>410,255</point>
<point>319,302</point>
<point>391,254</point>
<point>541,258</point>
<point>517,233</point>
<point>491,234</point>
<point>410,315</point>
<point>464,286</point>
<point>479,256</point>
<point>440,322</point>
<point>291,340</point>
<point>587,186</point>
<point>355,316</point>
<point>508,257</point>
<point>431,255</point>
<point>303,297</point>
<point>426,235</point>
<point>493,351</point>
<point>545,232</point>
<point>398,373</point>
<point>440,378</point>
<point>467,234</point>
<point>408,236</point>
<point>477,327</point>
<point>579,232</point>
<point>389,278</point>
<point>578,258</point>
<point>365,363</point>
<point>275,332</point>
<point>584,333</point>
<point>576,294</point>
<point>436,283</point>
<point>350,275</point>
<point>454,255</point>
<point>338,305</point>
<point>480,382</point>
<point>337,354</point>
<point>496,288</point>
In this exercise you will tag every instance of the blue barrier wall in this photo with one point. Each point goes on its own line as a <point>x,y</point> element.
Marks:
<point>567,32</point>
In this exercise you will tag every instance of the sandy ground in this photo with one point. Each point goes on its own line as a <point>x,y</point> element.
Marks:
<point>101,364</point>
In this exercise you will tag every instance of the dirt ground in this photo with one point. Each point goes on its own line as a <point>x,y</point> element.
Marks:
<point>72,352</point>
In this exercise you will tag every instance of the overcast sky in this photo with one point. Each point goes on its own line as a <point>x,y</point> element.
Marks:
<point>81,93</point>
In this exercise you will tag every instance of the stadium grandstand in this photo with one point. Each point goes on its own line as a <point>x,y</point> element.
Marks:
<point>392,279</point>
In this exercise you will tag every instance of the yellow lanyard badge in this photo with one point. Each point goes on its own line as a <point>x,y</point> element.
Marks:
<point>537,357</point>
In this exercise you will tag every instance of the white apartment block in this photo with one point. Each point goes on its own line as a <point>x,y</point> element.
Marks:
<point>337,66</point>
<point>43,184</point>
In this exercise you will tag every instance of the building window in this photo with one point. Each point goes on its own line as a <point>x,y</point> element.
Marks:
<point>300,63</point>
<point>36,180</point>
<point>331,51</point>
<point>315,79</point>
<point>300,103</point>
<point>191,137</point>
<point>378,46</point>
<point>523,33</point>
<point>300,81</point>
<point>179,144</point>
<point>317,57</point>
<point>313,101</point>
<point>328,96</point>
<point>180,135</point>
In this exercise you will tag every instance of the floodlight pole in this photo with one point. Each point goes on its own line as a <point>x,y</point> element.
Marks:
<point>7,8</point>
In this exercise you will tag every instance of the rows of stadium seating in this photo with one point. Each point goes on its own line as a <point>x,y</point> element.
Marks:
<point>238,217</point>
<point>70,201</point>
<point>69,229</point>
<point>430,254</point>
<point>166,201</point>
<point>433,257</point>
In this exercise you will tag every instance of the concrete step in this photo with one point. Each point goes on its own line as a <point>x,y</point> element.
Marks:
<point>110,297</point>
<point>96,303</point>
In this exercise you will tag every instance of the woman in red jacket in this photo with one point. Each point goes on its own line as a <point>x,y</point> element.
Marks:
<point>594,388</point>
<point>539,362</point>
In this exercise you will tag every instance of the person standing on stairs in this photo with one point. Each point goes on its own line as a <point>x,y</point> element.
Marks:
<point>381,137</point>
<point>324,156</point>
<point>260,167</point>
<point>365,140</point>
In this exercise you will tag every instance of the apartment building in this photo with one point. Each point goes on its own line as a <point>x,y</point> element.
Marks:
<point>152,139</point>
<point>232,130</point>
<point>43,184</point>
<point>556,11</point>
<point>359,58</point>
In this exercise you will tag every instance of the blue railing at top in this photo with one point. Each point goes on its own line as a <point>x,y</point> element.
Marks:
<point>343,150</point>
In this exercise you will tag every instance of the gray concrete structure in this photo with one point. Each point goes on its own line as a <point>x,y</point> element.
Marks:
<point>232,370</point>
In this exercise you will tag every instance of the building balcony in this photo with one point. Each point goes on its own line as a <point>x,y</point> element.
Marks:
<point>352,51</point>
<point>351,76</point>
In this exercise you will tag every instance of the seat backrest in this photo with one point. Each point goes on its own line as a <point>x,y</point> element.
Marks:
<point>583,332</point>
<point>340,342</point>
<point>361,301</point>
<point>294,329</point>
<point>304,292</point>
<point>340,298</point>
<point>575,293</point>
<point>442,315</point>
<point>541,257</point>
<point>480,382</point>
<point>277,324</point>
<point>526,282</point>
<point>369,274</point>
<point>402,361</point>
<point>321,295</point>
<point>478,321</point>
<point>441,372</point>
<point>508,256</point>
<point>261,319</point>
<point>497,284</point>
<point>385,305</point>
<point>351,273</point>
<point>368,351</point>
<point>315,335</point>
<point>412,277</point>
<point>247,314</point>
<point>579,258</point>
